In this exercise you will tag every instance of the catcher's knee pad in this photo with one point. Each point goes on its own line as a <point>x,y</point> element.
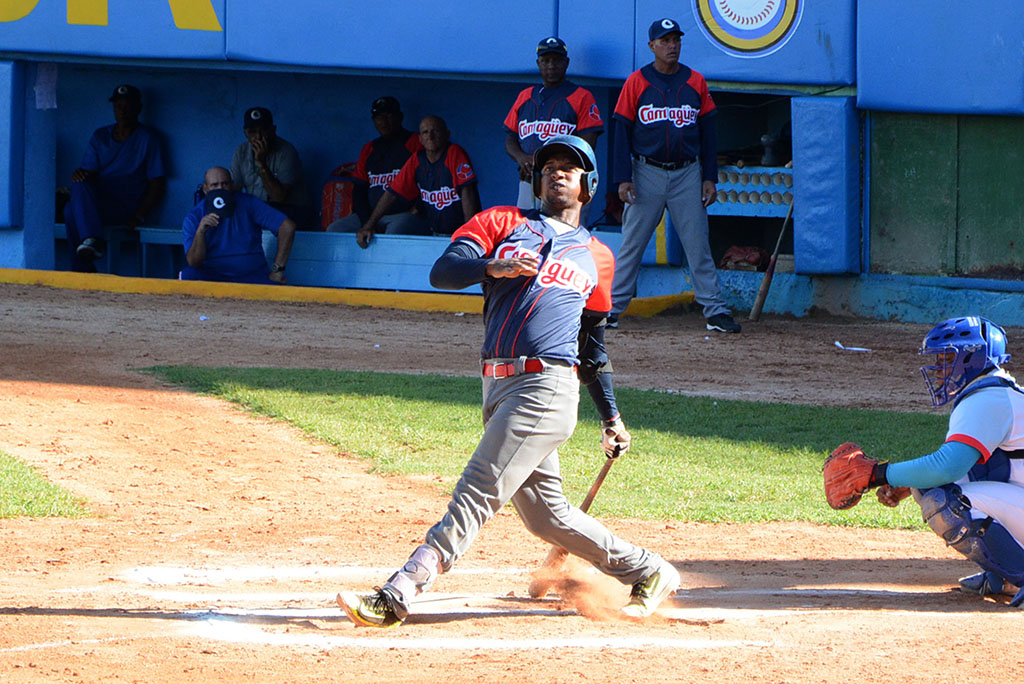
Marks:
<point>983,540</point>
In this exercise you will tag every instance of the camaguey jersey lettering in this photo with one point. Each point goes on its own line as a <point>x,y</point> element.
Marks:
<point>663,111</point>
<point>380,161</point>
<point>540,114</point>
<point>437,185</point>
<point>576,273</point>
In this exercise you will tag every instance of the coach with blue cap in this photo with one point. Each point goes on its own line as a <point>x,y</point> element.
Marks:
<point>665,156</point>
<point>223,235</point>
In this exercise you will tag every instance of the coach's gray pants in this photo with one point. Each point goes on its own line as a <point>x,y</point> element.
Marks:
<point>679,190</point>
<point>526,418</point>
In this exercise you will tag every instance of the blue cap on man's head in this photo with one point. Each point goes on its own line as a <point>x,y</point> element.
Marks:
<point>552,44</point>
<point>663,27</point>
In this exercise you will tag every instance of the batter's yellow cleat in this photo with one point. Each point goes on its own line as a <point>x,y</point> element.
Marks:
<point>370,610</point>
<point>648,594</point>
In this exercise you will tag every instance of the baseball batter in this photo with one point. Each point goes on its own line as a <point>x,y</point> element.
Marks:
<point>556,107</point>
<point>971,490</point>
<point>545,282</point>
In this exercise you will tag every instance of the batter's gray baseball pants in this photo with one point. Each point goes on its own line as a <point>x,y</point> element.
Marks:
<point>526,418</point>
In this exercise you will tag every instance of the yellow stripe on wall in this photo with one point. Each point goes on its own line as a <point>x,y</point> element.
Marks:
<point>661,243</point>
<point>87,12</point>
<point>195,15</point>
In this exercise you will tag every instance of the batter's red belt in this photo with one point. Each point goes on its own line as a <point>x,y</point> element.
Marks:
<point>508,369</point>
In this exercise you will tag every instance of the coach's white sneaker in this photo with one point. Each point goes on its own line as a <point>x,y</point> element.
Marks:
<point>648,594</point>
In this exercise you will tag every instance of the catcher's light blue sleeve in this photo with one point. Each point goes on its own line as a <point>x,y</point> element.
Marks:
<point>948,464</point>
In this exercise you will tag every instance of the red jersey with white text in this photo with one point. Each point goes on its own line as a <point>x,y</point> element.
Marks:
<point>663,111</point>
<point>539,316</point>
<point>437,184</point>
<point>540,114</point>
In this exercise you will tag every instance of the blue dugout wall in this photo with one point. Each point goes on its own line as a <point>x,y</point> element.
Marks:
<point>318,65</point>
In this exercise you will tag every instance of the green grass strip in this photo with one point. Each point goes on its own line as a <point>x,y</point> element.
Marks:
<point>23,493</point>
<point>694,459</point>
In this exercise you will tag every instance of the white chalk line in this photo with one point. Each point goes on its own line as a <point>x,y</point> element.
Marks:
<point>167,575</point>
<point>249,634</point>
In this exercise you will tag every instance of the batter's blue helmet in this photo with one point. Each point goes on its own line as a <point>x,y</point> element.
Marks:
<point>577,148</point>
<point>965,349</point>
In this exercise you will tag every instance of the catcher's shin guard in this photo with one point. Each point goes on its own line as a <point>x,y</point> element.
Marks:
<point>984,541</point>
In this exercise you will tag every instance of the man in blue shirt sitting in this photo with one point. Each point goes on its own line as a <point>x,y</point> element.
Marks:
<point>223,235</point>
<point>120,180</point>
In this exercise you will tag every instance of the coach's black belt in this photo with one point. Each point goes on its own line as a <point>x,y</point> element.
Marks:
<point>667,166</point>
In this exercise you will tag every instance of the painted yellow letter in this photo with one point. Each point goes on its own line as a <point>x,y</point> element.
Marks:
<point>13,10</point>
<point>197,15</point>
<point>88,12</point>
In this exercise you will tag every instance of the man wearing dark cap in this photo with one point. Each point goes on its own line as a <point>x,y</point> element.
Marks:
<point>119,182</point>
<point>665,156</point>
<point>268,167</point>
<point>556,107</point>
<point>223,235</point>
<point>378,165</point>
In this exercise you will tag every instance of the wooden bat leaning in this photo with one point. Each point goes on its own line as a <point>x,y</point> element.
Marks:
<point>545,576</point>
<point>762,294</point>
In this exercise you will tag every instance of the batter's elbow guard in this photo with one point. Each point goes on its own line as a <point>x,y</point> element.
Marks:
<point>587,371</point>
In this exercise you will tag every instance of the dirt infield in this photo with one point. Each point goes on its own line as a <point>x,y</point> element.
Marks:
<point>218,540</point>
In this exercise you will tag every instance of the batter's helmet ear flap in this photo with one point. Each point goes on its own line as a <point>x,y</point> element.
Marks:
<point>578,148</point>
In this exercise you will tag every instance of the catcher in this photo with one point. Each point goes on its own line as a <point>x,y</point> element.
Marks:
<point>971,490</point>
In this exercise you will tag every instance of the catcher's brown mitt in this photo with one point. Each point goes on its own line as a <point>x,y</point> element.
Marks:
<point>847,474</point>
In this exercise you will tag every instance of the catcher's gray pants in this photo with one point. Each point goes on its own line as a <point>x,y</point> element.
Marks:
<point>679,190</point>
<point>526,418</point>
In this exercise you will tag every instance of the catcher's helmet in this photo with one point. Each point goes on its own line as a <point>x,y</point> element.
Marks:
<point>577,148</point>
<point>964,349</point>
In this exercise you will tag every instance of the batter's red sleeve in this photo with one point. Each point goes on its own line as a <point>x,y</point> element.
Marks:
<point>512,120</point>
<point>629,98</point>
<point>459,165</point>
<point>489,228</point>
<point>601,298</point>
<point>404,184</point>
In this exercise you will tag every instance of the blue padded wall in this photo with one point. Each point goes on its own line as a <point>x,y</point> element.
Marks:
<point>12,144</point>
<point>598,49</point>
<point>817,49</point>
<point>941,56</point>
<point>460,36</point>
<point>191,29</point>
<point>826,169</point>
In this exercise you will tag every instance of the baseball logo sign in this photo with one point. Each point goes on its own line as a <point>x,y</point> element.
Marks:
<point>748,28</point>
<point>219,203</point>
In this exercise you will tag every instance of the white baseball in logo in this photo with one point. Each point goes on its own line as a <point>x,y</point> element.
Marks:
<point>748,14</point>
<point>219,203</point>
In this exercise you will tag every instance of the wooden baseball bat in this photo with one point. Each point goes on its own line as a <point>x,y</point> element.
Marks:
<point>540,585</point>
<point>766,282</point>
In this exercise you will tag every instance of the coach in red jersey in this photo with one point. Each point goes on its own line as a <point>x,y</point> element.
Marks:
<point>545,282</point>
<point>439,179</point>
<point>666,156</point>
<point>556,107</point>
